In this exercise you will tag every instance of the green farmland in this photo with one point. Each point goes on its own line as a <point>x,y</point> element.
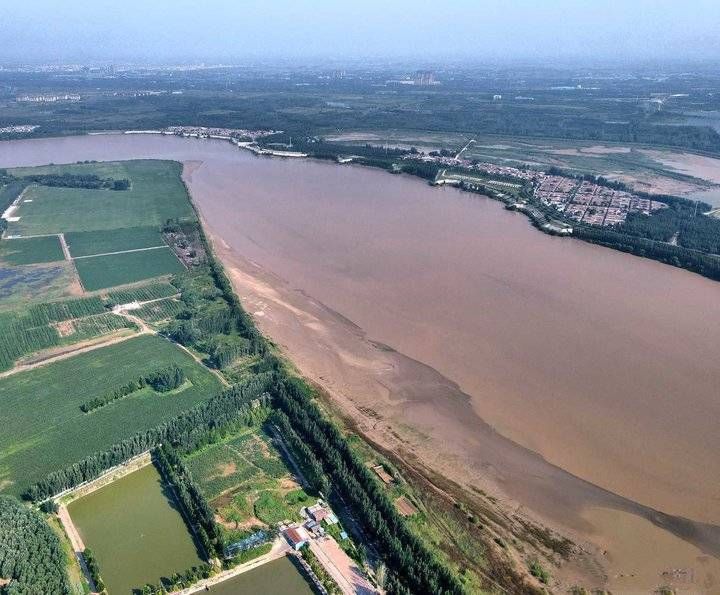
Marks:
<point>87,243</point>
<point>100,272</point>
<point>23,251</point>
<point>156,195</point>
<point>44,428</point>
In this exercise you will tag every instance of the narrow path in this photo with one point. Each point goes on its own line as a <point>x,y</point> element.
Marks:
<point>76,542</point>
<point>65,249</point>
<point>121,252</point>
<point>71,351</point>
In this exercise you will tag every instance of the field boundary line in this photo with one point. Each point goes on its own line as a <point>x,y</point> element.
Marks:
<point>121,252</point>
<point>88,487</point>
<point>64,246</point>
<point>72,353</point>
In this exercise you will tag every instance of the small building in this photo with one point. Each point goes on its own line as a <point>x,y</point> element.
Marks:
<point>297,537</point>
<point>318,512</point>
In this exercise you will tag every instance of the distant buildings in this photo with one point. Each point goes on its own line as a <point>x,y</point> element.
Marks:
<point>47,98</point>
<point>22,129</point>
<point>424,78</point>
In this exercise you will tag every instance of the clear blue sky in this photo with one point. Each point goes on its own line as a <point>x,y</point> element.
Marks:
<point>235,30</point>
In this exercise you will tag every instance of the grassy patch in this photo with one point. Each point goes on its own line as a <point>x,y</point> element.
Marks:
<point>99,272</point>
<point>22,284</point>
<point>271,508</point>
<point>247,481</point>
<point>87,243</point>
<point>44,428</point>
<point>156,194</point>
<point>21,251</point>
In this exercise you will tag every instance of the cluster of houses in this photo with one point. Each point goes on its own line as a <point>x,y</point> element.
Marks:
<point>312,526</point>
<point>22,129</point>
<point>219,133</point>
<point>591,203</point>
<point>47,98</point>
<point>580,200</point>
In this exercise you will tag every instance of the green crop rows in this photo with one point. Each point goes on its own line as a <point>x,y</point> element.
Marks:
<point>151,291</point>
<point>44,428</point>
<point>87,243</point>
<point>22,251</point>
<point>99,272</point>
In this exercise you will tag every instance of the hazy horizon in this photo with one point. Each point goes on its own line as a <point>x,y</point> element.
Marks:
<point>230,32</point>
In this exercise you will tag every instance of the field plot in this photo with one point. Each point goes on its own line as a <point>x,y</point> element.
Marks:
<point>143,293</point>
<point>135,531</point>
<point>44,428</point>
<point>156,195</point>
<point>39,327</point>
<point>22,251</point>
<point>247,481</point>
<point>161,310</point>
<point>87,243</point>
<point>100,272</point>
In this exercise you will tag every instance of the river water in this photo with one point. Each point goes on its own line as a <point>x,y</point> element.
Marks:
<point>602,363</point>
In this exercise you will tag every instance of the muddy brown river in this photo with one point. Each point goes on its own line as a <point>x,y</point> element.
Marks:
<point>580,381</point>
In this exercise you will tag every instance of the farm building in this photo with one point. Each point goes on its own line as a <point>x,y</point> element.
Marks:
<point>297,537</point>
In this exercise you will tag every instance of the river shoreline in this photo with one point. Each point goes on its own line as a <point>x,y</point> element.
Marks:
<point>383,395</point>
<point>314,266</point>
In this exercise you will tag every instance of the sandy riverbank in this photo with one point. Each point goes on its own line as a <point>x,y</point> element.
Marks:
<point>398,403</point>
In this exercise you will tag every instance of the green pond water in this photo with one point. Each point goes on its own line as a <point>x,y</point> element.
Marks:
<point>279,577</point>
<point>135,530</point>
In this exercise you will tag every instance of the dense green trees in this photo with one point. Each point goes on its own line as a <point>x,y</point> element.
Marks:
<point>415,567</point>
<point>94,569</point>
<point>189,429</point>
<point>31,555</point>
<point>163,380</point>
<point>89,181</point>
<point>195,508</point>
<point>166,379</point>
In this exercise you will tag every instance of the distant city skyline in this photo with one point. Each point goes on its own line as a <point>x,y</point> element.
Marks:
<point>231,31</point>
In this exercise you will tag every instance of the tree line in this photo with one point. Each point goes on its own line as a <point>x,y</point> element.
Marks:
<point>94,569</point>
<point>163,380</point>
<point>414,567</point>
<point>196,510</point>
<point>196,426</point>
<point>66,180</point>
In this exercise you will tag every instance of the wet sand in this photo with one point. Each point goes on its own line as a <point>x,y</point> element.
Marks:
<point>600,362</point>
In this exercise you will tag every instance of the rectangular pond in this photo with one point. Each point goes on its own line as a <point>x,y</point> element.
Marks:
<point>136,531</point>
<point>279,577</point>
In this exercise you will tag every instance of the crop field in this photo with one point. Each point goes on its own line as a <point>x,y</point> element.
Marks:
<point>100,272</point>
<point>156,195</point>
<point>44,428</point>
<point>22,251</point>
<point>30,330</point>
<point>93,326</point>
<point>87,243</point>
<point>143,293</point>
